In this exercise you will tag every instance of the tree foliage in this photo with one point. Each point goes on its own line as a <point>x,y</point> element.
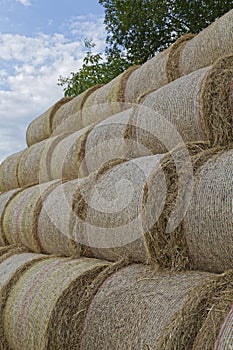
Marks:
<point>144,27</point>
<point>95,70</point>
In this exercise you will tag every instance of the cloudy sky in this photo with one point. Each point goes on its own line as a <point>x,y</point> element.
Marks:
<point>40,40</point>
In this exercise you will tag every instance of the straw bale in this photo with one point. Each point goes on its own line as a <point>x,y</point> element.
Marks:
<point>132,308</point>
<point>109,208</point>
<point>193,108</point>
<point>107,100</point>
<point>56,220</point>
<point>34,165</point>
<point>21,216</point>
<point>42,309</point>
<point>106,142</point>
<point>209,45</point>
<point>156,72</point>
<point>41,127</point>
<point>194,229</point>
<point>72,107</point>
<point>5,198</point>
<point>198,325</point>
<point>208,221</point>
<point>29,165</point>
<point>9,172</point>
<point>68,156</point>
<point>11,268</point>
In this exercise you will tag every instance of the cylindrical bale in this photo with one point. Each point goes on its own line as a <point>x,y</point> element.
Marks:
<point>106,142</point>
<point>192,108</point>
<point>211,43</point>
<point>195,227</point>
<point>156,72</point>
<point>107,100</point>
<point>34,164</point>
<point>41,128</point>
<point>68,156</point>
<point>205,321</point>
<point>9,172</point>
<point>20,221</point>
<point>56,220</point>
<point>208,222</point>
<point>133,307</point>
<point>43,308</point>
<point>109,209</point>
<point>5,198</point>
<point>12,265</point>
<point>70,108</point>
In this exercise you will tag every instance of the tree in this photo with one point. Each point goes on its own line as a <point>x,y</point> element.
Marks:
<point>95,70</point>
<point>144,27</point>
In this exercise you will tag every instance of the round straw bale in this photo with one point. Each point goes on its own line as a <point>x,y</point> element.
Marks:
<point>29,165</point>
<point>46,158</point>
<point>209,45</point>
<point>56,220</point>
<point>107,100</point>
<point>109,209</point>
<point>42,310</point>
<point>156,72</point>
<point>5,198</point>
<point>21,216</point>
<point>72,107</point>
<point>34,164</point>
<point>193,108</point>
<point>41,128</point>
<point>106,141</point>
<point>198,325</point>
<point>9,172</point>
<point>194,229</point>
<point>208,221</point>
<point>68,156</point>
<point>132,308</point>
<point>11,268</point>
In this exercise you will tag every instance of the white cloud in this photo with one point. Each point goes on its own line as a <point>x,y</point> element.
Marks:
<point>30,67</point>
<point>24,2</point>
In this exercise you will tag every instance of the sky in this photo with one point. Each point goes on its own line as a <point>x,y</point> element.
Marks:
<point>40,40</point>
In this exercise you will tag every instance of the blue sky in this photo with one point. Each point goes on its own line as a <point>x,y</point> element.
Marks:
<point>40,40</point>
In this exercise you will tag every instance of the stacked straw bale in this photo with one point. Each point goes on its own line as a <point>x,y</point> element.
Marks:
<point>187,55</point>
<point>20,223</point>
<point>108,209</point>
<point>211,43</point>
<point>41,127</point>
<point>108,100</point>
<point>13,260</point>
<point>195,227</point>
<point>93,105</point>
<point>5,198</point>
<point>45,305</point>
<point>193,108</point>
<point>144,209</point>
<point>9,172</point>
<point>71,108</point>
<point>138,308</point>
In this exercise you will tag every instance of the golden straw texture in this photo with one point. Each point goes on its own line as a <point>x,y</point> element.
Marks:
<point>132,308</point>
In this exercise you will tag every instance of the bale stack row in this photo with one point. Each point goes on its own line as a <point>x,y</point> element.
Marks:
<point>190,109</point>
<point>109,242</point>
<point>52,302</point>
